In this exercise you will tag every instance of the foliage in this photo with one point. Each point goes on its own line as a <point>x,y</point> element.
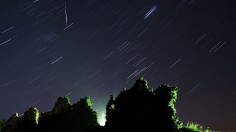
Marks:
<point>2,125</point>
<point>63,117</point>
<point>63,104</point>
<point>193,127</point>
<point>141,108</point>
<point>110,108</point>
<point>31,115</point>
<point>166,97</point>
<point>77,117</point>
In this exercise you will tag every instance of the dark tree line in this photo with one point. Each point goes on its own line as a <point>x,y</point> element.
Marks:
<point>64,117</point>
<point>136,109</point>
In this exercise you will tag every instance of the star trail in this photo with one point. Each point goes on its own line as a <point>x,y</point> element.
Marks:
<point>78,48</point>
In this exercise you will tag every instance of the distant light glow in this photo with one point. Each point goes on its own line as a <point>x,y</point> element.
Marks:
<point>150,11</point>
<point>102,119</point>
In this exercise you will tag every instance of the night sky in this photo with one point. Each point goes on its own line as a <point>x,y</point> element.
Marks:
<point>78,48</point>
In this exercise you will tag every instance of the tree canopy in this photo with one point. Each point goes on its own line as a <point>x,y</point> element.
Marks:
<point>134,109</point>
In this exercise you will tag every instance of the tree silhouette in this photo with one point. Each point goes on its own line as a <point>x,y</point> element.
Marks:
<point>71,118</point>
<point>165,97</point>
<point>57,119</point>
<point>141,108</point>
<point>110,108</point>
<point>62,105</point>
<point>31,116</point>
<point>12,123</point>
<point>84,115</point>
<point>29,120</point>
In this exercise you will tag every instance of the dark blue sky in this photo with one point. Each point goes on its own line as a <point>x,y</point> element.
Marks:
<point>52,48</point>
